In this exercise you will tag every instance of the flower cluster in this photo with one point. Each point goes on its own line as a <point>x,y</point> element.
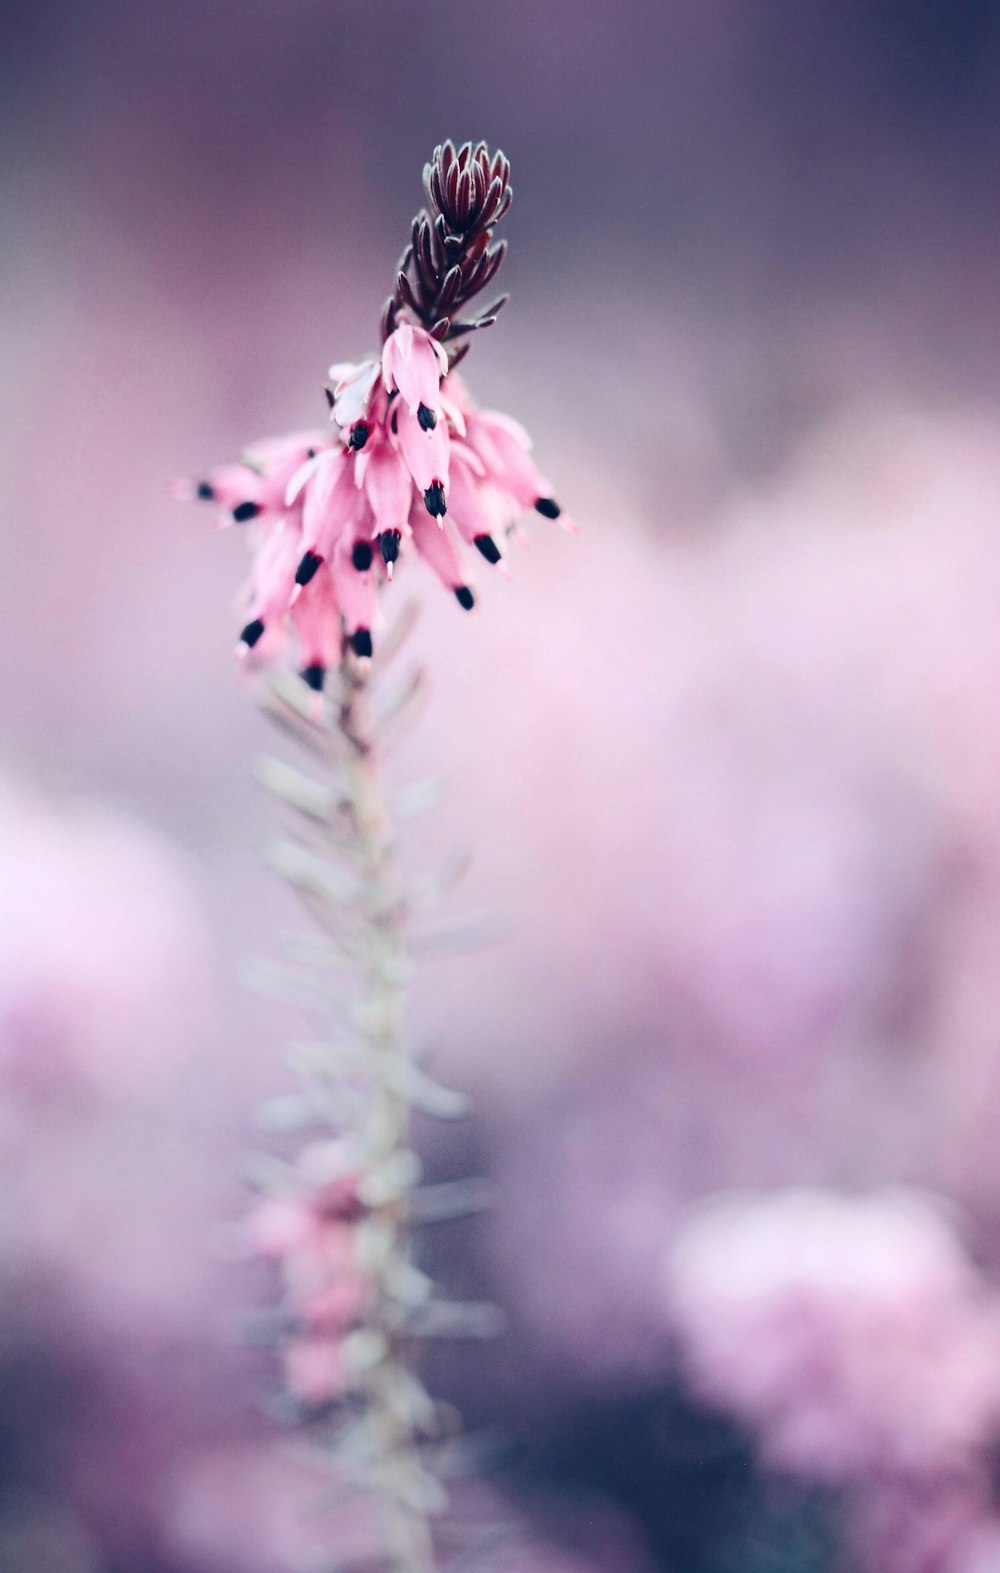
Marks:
<point>407,456</point>
<point>312,1234</point>
<point>851,1332</point>
<point>855,1338</point>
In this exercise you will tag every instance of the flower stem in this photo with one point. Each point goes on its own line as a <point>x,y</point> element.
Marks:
<point>394,1399</point>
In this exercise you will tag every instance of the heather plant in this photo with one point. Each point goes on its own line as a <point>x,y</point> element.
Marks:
<point>406,465</point>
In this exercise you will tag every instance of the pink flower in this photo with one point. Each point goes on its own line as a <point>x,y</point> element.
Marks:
<point>256,486</point>
<point>311,1234</point>
<point>314,1370</point>
<point>425,450</point>
<point>331,513</point>
<point>850,1332</point>
<point>93,1005</point>
<point>354,390</point>
<point>855,1338</point>
<point>413,365</point>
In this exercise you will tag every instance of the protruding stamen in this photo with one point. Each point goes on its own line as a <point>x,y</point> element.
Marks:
<point>308,568</point>
<point>359,435</point>
<point>205,491</point>
<point>314,676</point>
<point>331,401</point>
<point>428,420</point>
<point>547,507</point>
<point>465,597</point>
<point>434,499</point>
<point>489,548</point>
<point>361,555</point>
<point>245,511</point>
<point>361,642</point>
<point>252,632</point>
<point>389,542</point>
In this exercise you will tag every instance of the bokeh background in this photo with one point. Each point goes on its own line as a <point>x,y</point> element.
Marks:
<point>729,762</point>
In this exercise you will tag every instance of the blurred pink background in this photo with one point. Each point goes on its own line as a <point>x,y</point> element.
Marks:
<point>729,762</point>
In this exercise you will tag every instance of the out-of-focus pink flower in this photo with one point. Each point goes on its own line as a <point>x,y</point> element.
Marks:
<point>103,952</point>
<point>854,1337</point>
<point>850,1331</point>
<point>254,1508</point>
<point>314,1369</point>
<point>311,1233</point>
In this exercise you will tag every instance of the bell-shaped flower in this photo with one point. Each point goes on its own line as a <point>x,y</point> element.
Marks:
<point>271,586</point>
<point>315,617</point>
<point>426,450</point>
<point>504,448</point>
<point>326,488</point>
<point>256,485</point>
<point>356,579</point>
<point>353,386</point>
<point>472,508</point>
<point>435,541</point>
<point>358,400</point>
<point>414,363</point>
<point>276,459</point>
<point>388,489</point>
<point>235,489</point>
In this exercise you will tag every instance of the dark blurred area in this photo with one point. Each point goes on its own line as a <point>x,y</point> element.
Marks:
<point>729,761</point>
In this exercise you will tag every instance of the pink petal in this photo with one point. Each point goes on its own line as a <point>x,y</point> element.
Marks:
<point>426,452</point>
<point>331,506</point>
<point>268,454</point>
<point>280,1226</point>
<point>404,341</point>
<point>314,1369</point>
<point>498,421</point>
<point>502,446</point>
<point>305,472</point>
<point>438,547</point>
<point>231,484</point>
<point>352,395</point>
<point>357,594</point>
<point>316,620</point>
<point>414,363</point>
<point>388,488</point>
<point>451,406</point>
<point>274,574</point>
<point>468,506</point>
